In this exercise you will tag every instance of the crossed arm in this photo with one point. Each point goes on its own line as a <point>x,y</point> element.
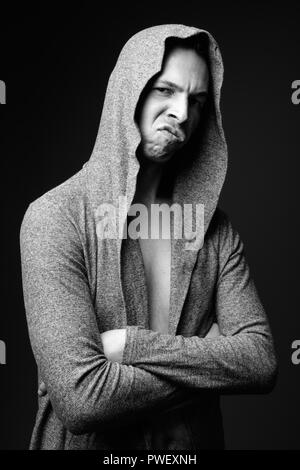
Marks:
<point>85,387</point>
<point>113,346</point>
<point>113,342</point>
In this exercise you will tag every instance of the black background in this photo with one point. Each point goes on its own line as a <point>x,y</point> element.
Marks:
<point>56,65</point>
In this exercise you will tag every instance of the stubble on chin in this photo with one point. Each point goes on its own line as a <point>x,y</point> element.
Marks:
<point>156,151</point>
<point>160,148</point>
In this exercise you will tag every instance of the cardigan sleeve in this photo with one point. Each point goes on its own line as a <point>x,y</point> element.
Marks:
<point>241,359</point>
<point>85,389</point>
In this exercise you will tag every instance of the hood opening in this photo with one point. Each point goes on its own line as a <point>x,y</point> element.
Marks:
<point>197,171</point>
<point>183,157</point>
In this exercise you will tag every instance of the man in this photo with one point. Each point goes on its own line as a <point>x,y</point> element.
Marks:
<point>123,329</point>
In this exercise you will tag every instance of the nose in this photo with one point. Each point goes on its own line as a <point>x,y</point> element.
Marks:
<point>179,109</point>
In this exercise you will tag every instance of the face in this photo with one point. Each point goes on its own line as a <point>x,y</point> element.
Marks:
<point>172,108</point>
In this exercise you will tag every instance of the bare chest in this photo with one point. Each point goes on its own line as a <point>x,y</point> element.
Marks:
<point>157,263</point>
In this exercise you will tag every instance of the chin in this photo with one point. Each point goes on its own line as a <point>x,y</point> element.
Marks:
<point>156,153</point>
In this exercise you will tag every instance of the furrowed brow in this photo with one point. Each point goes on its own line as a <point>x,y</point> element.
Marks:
<point>200,94</point>
<point>170,84</point>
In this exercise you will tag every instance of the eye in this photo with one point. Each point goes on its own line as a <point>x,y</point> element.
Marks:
<point>196,101</point>
<point>164,91</point>
<point>193,101</point>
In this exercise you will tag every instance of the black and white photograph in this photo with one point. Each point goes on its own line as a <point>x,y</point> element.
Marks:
<point>150,164</point>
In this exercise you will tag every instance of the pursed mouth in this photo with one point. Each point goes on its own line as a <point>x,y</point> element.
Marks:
<point>173,131</point>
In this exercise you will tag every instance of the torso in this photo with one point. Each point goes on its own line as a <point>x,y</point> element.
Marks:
<point>157,262</point>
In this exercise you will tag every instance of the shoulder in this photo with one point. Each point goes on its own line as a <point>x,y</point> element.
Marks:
<point>57,211</point>
<point>66,197</point>
<point>220,225</point>
<point>225,237</point>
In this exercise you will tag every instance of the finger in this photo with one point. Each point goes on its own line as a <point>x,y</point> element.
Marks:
<point>214,331</point>
<point>42,389</point>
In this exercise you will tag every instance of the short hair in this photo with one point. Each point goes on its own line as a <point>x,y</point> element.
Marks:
<point>198,42</point>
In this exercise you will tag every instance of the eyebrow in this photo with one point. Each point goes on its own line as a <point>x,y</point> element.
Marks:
<point>179,88</point>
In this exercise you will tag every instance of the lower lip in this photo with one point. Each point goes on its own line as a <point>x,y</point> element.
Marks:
<point>169,132</point>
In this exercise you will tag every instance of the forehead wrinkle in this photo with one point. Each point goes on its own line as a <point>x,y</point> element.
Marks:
<point>180,88</point>
<point>184,70</point>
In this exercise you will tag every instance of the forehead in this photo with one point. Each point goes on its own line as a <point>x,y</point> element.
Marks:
<point>186,68</point>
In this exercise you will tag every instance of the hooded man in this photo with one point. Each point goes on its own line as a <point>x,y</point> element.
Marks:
<point>123,328</point>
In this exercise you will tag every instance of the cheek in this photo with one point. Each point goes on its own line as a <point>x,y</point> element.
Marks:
<point>150,113</point>
<point>194,120</point>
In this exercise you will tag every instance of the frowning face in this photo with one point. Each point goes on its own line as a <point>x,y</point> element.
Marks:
<point>172,108</point>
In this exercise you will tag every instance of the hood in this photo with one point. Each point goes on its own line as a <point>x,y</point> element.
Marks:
<point>113,166</point>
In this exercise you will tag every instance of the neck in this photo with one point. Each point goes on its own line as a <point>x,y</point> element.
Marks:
<point>148,180</point>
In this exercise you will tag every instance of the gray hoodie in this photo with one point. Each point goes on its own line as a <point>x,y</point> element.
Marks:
<point>165,393</point>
